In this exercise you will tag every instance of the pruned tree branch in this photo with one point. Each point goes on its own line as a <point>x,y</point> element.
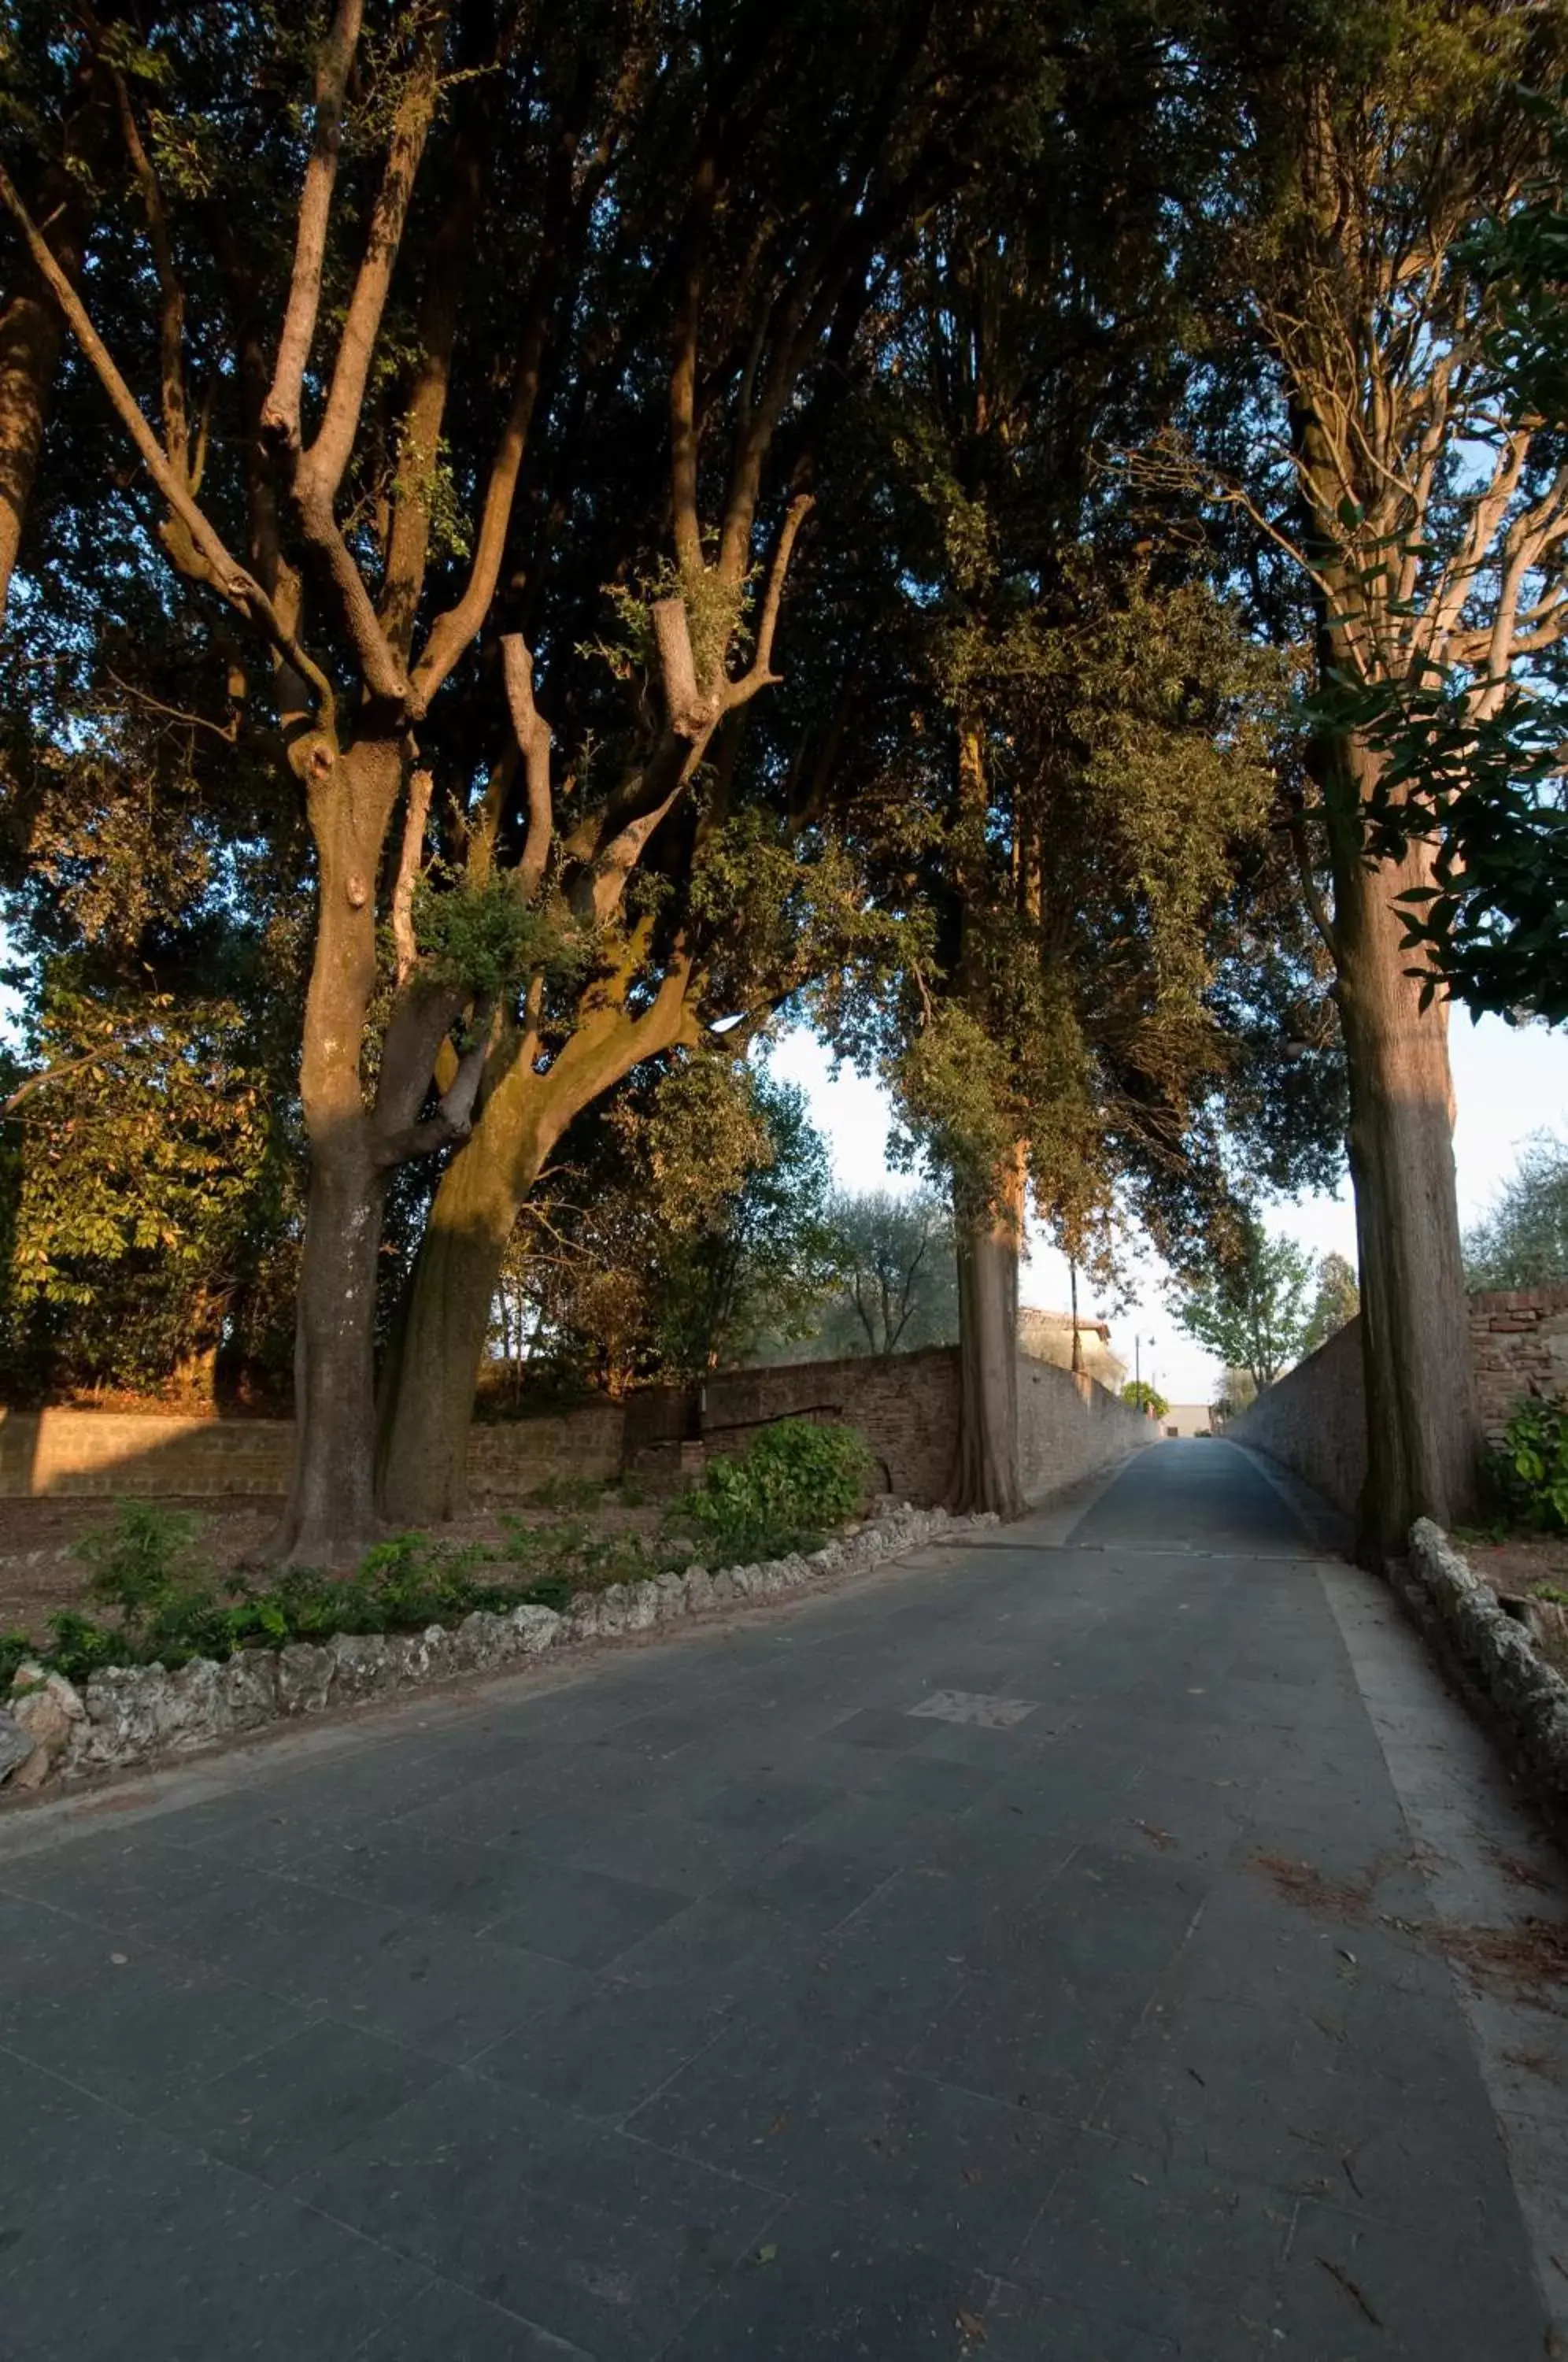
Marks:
<point>689,712</point>
<point>171,295</point>
<point>323,465</point>
<point>228,577</point>
<point>454,1117</point>
<point>281,409</point>
<point>684,424</point>
<point>760,673</point>
<point>409,857</point>
<point>533,741</point>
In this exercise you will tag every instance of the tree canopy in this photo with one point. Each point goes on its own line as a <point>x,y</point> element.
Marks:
<point>1522,1241</point>
<point>1247,1303</point>
<point>537,543</point>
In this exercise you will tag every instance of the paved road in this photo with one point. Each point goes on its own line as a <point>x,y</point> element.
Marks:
<point>1018,1953</point>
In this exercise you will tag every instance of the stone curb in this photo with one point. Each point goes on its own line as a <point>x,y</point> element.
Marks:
<point>131,1714</point>
<point>1530,1696</point>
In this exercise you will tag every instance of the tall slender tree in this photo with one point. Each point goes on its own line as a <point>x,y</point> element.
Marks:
<point>1427,529</point>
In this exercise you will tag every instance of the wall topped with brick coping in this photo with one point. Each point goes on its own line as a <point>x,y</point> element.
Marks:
<point>906,1407</point>
<point>102,1455</point>
<point>1314,1418</point>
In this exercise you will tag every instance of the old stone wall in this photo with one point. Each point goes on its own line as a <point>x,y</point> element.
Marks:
<point>1518,1338</point>
<point>1068,1426</point>
<point>906,1407</point>
<point>100,1453</point>
<point>1314,1418</point>
<point>104,1455</point>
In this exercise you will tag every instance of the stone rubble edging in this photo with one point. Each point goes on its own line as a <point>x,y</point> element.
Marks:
<point>130,1715</point>
<point>1529,1695</point>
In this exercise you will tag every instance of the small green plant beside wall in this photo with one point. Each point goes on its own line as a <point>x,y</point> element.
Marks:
<point>785,1492</point>
<point>1529,1472</point>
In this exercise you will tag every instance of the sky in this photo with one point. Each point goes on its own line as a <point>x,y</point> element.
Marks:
<point>1509,1082</point>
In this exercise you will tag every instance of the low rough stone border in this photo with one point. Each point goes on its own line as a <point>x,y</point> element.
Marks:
<point>1530,1696</point>
<point>131,1714</point>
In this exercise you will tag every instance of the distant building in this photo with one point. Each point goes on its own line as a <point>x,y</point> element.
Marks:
<point>1187,1419</point>
<point>1048,1337</point>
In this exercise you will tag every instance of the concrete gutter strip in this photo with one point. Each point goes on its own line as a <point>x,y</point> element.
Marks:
<point>1530,1696</point>
<point>131,1714</point>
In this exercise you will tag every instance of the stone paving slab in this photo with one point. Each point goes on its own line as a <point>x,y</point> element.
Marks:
<point>759,1993</point>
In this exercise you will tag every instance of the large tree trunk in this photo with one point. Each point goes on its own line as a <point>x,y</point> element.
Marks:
<point>432,1367</point>
<point>1423,1429</point>
<point>32,332</point>
<point>986,1470</point>
<point>330,1519</point>
<point>427,1386</point>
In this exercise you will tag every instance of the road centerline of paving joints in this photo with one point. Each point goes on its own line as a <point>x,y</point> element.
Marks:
<point>1036,1949</point>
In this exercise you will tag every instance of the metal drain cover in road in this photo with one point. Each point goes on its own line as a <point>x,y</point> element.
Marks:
<point>972,1705</point>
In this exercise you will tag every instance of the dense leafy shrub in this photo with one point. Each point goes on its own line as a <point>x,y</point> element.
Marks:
<point>1530,1471</point>
<point>784,1493</point>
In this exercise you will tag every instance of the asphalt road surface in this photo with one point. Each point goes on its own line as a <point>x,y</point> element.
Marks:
<point>1051,1947</point>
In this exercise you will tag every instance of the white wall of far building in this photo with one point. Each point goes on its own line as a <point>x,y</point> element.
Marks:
<point>1185,1419</point>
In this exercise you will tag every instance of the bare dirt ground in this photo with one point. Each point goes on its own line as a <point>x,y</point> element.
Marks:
<point>1533,1566</point>
<point>40,1572</point>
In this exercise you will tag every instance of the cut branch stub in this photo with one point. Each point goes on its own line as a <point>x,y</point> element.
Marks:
<point>691,713</point>
<point>413,847</point>
<point>534,741</point>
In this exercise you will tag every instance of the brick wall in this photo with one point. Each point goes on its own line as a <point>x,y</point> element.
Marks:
<point>907,1409</point>
<point>509,1458</point>
<point>104,1454</point>
<point>1314,1418</point>
<point>100,1454</point>
<point>1518,1338</point>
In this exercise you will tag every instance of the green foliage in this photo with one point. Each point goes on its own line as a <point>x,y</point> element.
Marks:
<point>482,938</point>
<point>1484,788</point>
<point>1338,1300</point>
<point>152,1183</point>
<point>555,1560</point>
<point>1523,1242</point>
<point>692,1221</point>
<point>566,1493</point>
<point>1141,1396</point>
<point>895,1285</point>
<point>1246,1302</point>
<point>142,1557</point>
<point>794,1482</point>
<point>1529,1471</point>
<point>157,1601</point>
<point>764,1255</point>
<point>165,1606</point>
